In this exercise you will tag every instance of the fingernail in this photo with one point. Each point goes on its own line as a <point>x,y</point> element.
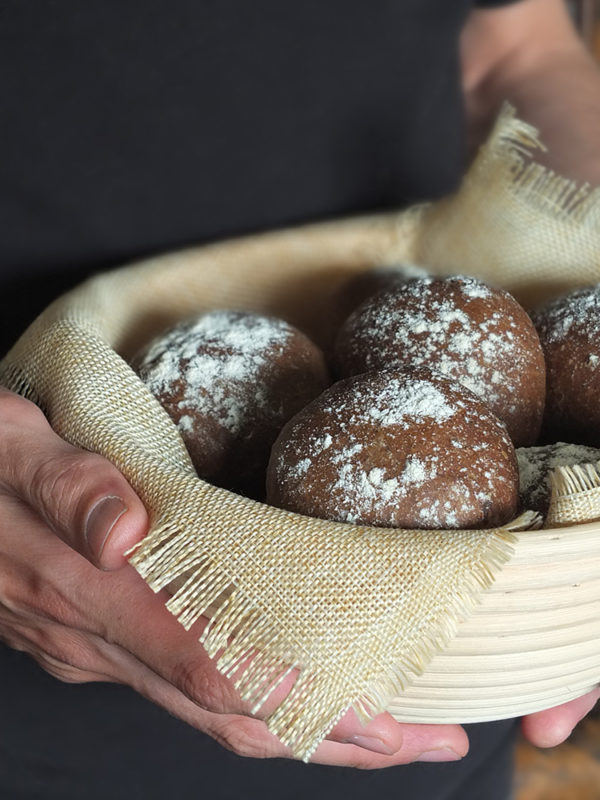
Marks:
<point>100,521</point>
<point>443,754</point>
<point>370,743</point>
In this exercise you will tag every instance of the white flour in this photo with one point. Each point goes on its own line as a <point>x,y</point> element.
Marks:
<point>536,465</point>
<point>431,331</point>
<point>579,310</point>
<point>218,359</point>
<point>362,468</point>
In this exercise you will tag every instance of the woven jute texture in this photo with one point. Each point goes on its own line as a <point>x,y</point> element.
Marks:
<point>354,610</point>
<point>575,496</point>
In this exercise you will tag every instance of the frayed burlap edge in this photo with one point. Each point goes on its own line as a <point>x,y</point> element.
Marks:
<point>575,495</point>
<point>245,628</point>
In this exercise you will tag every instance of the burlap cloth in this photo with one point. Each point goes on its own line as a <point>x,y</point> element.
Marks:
<point>355,610</point>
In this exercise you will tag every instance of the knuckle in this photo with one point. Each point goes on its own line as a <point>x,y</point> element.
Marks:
<point>20,597</point>
<point>75,657</point>
<point>65,651</point>
<point>247,737</point>
<point>62,671</point>
<point>58,479</point>
<point>206,688</point>
<point>18,417</point>
<point>58,487</point>
<point>11,638</point>
<point>18,411</point>
<point>58,652</point>
<point>27,596</point>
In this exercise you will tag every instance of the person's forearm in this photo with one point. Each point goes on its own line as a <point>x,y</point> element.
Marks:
<point>553,83</point>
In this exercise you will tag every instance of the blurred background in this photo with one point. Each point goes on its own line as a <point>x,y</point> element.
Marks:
<point>587,18</point>
<point>571,771</point>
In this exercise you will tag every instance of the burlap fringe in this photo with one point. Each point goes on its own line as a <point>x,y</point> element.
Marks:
<point>575,495</point>
<point>540,187</point>
<point>248,646</point>
<point>250,649</point>
<point>575,479</point>
<point>15,380</point>
<point>243,635</point>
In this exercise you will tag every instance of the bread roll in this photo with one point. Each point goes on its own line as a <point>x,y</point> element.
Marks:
<point>536,465</point>
<point>466,331</point>
<point>397,450</point>
<point>230,380</point>
<point>368,283</point>
<point>569,331</point>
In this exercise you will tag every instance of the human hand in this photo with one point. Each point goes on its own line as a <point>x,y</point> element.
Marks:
<point>69,598</point>
<point>551,727</point>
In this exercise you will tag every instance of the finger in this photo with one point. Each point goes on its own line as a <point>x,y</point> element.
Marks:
<point>59,651</point>
<point>80,496</point>
<point>383,734</point>
<point>183,663</point>
<point>126,611</point>
<point>73,657</point>
<point>250,737</point>
<point>120,607</point>
<point>348,755</point>
<point>551,727</point>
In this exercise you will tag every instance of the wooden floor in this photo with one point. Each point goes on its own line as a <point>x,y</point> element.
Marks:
<point>568,772</point>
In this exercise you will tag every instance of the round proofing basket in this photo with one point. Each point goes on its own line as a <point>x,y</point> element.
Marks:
<point>533,641</point>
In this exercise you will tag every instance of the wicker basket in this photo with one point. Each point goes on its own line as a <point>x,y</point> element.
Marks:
<point>532,641</point>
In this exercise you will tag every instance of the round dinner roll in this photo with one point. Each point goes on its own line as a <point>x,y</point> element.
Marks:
<point>569,330</point>
<point>463,329</point>
<point>536,465</point>
<point>369,282</point>
<point>396,450</point>
<point>230,380</point>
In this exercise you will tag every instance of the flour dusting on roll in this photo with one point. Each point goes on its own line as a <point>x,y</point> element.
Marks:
<point>391,449</point>
<point>466,331</point>
<point>230,380</point>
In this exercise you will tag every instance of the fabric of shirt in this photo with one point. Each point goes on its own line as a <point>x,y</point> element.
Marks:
<point>131,127</point>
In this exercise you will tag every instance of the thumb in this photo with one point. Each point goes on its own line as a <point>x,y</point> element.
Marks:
<point>81,496</point>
